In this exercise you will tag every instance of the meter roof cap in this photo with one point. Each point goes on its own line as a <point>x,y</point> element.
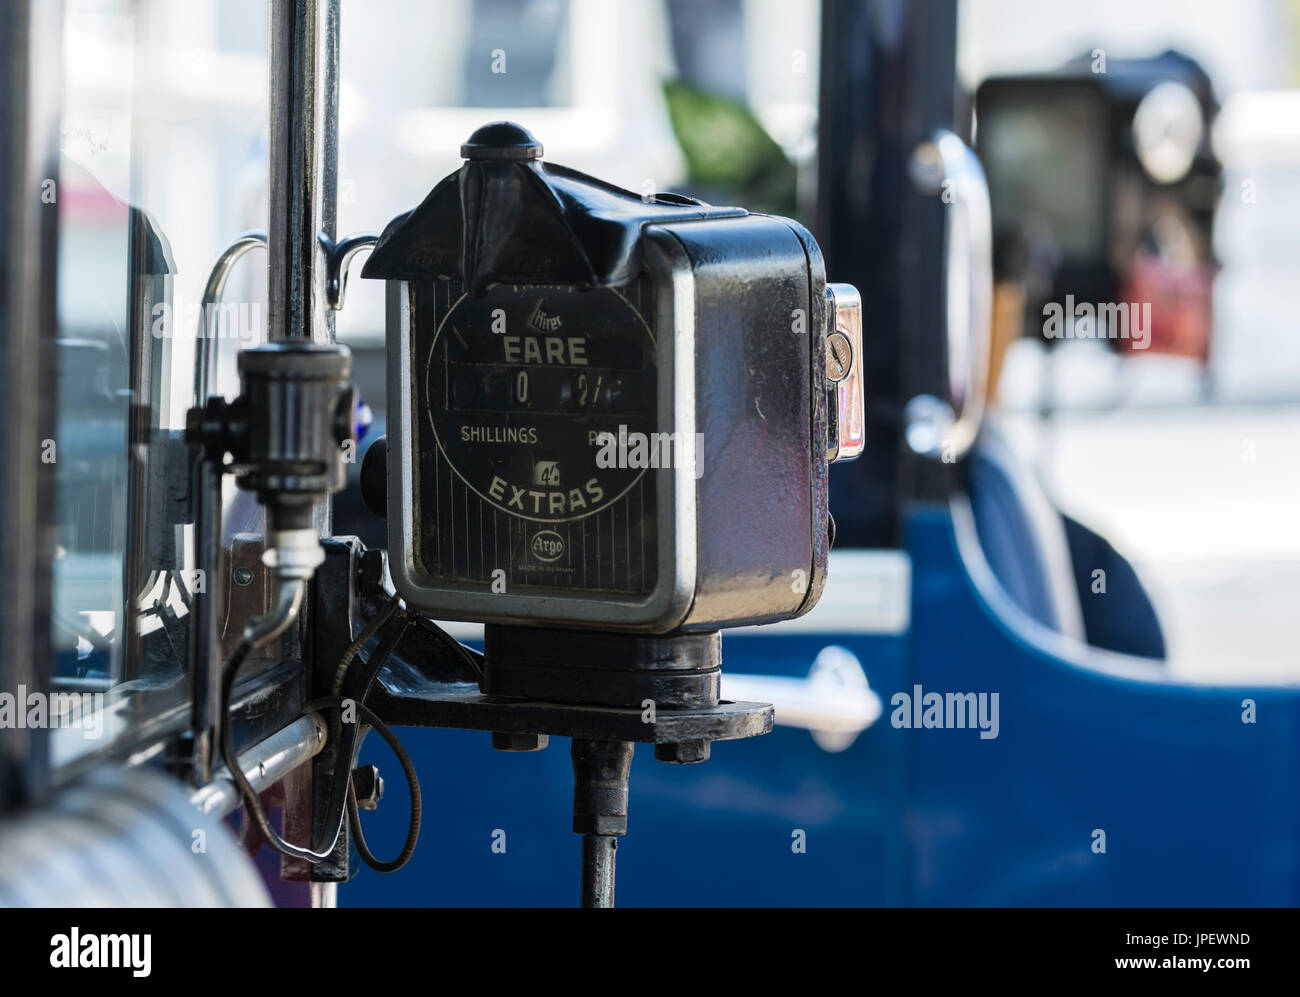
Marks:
<point>506,217</point>
<point>502,140</point>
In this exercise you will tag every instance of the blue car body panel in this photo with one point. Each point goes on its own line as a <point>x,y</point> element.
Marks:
<point>1197,807</point>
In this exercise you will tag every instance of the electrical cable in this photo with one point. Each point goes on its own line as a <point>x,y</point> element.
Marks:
<point>261,630</point>
<point>367,632</point>
<point>264,629</point>
<point>412,784</point>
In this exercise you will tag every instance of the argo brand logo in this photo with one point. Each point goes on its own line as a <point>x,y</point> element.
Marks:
<point>547,546</point>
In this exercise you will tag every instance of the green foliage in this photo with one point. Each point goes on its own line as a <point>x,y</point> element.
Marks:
<point>730,156</point>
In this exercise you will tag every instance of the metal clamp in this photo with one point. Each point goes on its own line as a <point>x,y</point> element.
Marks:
<point>946,165</point>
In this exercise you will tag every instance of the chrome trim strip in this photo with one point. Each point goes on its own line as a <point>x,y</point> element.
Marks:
<point>265,764</point>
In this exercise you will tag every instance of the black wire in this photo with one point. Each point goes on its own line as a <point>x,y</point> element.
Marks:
<point>254,807</point>
<point>412,783</point>
<point>251,802</point>
<point>363,638</point>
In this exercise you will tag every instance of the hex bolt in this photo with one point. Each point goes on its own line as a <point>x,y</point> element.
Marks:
<point>243,575</point>
<point>683,752</point>
<point>504,741</point>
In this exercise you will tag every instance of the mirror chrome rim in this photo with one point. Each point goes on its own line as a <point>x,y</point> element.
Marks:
<point>945,165</point>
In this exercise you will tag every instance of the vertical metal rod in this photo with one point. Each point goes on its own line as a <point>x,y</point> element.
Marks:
<point>205,637</point>
<point>304,55</point>
<point>304,102</point>
<point>303,165</point>
<point>30,45</point>
<point>598,870</point>
<point>329,97</point>
<point>600,772</point>
<point>205,631</point>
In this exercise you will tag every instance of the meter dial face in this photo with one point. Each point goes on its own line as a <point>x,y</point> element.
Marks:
<point>526,398</point>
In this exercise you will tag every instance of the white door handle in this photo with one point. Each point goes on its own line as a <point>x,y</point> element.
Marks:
<point>834,702</point>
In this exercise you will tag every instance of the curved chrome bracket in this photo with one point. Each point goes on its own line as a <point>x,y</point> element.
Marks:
<point>213,291</point>
<point>945,165</point>
<point>338,258</point>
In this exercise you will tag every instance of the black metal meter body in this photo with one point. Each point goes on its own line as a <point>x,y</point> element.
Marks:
<point>608,411</point>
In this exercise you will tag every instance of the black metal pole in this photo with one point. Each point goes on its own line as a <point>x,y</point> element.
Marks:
<point>303,166</point>
<point>598,870</point>
<point>600,771</point>
<point>888,80</point>
<point>205,631</point>
<point>30,34</point>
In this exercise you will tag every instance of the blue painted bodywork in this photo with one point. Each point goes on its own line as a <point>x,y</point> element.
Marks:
<point>1197,807</point>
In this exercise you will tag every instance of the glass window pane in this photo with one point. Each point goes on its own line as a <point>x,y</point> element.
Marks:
<point>163,164</point>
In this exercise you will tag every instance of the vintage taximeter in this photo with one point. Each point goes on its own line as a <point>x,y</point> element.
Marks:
<point>607,411</point>
<point>609,424</point>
